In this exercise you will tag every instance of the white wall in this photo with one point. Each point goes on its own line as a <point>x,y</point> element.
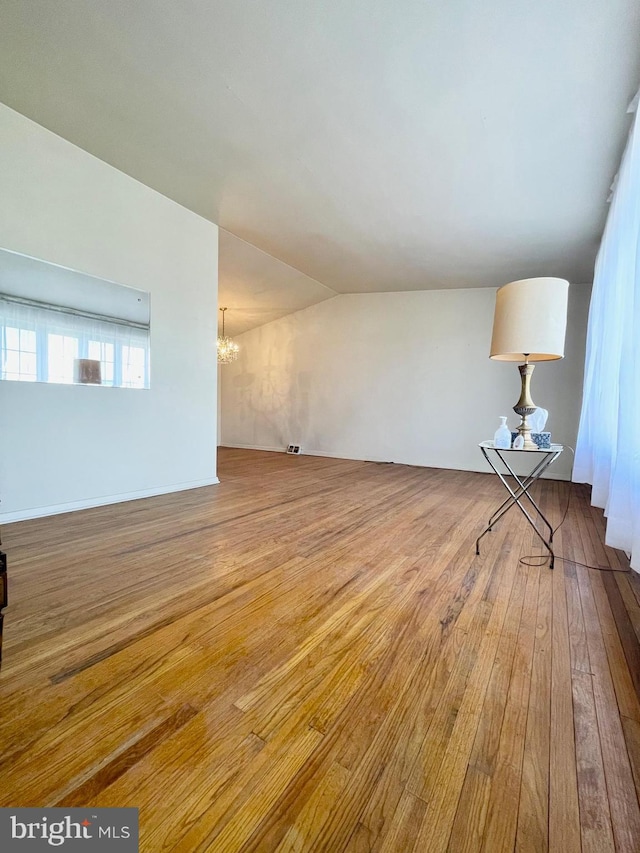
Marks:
<point>63,447</point>
<point>394,377</point>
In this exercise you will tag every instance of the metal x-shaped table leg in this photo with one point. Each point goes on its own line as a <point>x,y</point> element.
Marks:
<point>518,492</point>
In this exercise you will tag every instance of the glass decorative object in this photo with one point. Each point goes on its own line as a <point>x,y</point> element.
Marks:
<point>502,437</point>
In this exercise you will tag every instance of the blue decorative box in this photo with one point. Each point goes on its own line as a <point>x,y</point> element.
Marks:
<point>542,439</point>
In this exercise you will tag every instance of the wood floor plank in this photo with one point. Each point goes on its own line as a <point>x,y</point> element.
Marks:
<point>408,818</point>
<point>307,828</point>
<point>240,828</point>
<point>595,817</point>
<point>631,604</point>
<point>389,713</point>
<point>487,740</point>
<point>445,664</point>
<point>632,738</point>
<point>438,821</point>
<point>623,801</point>
<point>504,800</point>
<point>564,815</point>
<point>310,657</point>
<point>533,810</point>
<point>468,827</point>
<point>626,629</point>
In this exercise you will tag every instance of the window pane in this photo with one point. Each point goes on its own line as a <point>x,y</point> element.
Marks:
<point>28,363</point>
<point>62,350</point>
<point>12,361</point>
<point>27,340</point>
<point>18,357</point>
<point>133,364</point>
<point>13,338</point>
<point>101,351</point>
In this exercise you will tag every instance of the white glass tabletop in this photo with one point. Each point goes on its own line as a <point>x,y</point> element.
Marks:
<point>555,448</point>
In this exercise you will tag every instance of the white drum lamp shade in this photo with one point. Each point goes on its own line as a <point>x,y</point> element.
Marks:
<point>530,320</point>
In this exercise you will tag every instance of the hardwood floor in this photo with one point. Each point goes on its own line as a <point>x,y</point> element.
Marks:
<point>310,657</point>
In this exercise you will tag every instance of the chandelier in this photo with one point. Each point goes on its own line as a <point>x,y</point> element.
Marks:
<point>227,349</point>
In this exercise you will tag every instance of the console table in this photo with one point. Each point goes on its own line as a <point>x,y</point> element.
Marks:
<point>538,461</point>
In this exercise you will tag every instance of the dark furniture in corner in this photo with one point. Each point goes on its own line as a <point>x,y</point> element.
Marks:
<point>3,594</point>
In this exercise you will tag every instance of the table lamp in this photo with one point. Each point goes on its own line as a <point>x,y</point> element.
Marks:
<point>529,325</point>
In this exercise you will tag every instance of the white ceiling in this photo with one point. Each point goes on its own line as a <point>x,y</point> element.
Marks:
<point>371,145</point>
<point>256,288</point>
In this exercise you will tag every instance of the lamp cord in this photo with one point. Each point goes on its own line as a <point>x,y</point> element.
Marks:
<point>525,560</point>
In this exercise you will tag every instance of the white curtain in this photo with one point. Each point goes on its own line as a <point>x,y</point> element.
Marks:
<point>608,449</point>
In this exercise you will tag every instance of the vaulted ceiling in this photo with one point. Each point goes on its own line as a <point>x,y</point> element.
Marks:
<point>370,145</point>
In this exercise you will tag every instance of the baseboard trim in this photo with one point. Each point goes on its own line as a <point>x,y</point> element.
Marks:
<point>90,503</point>
<point>255,447</point>
<point>549,475</point>
<point>305,452</point>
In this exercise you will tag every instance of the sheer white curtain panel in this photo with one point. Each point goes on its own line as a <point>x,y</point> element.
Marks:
<point>608,448</point>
